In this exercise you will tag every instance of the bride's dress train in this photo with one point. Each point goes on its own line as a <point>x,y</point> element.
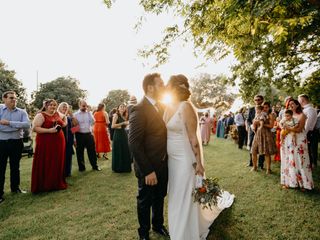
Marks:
<point>187,220</point>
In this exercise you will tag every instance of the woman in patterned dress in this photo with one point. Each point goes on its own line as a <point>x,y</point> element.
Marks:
<point>295,163</point>
<point>264,142</point>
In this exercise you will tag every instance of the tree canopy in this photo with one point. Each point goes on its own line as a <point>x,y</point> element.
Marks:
<point>8,82</point>
<point>62,89</point>
<point>116,97</point>
<point>211,91</point>
<point>274,41</point>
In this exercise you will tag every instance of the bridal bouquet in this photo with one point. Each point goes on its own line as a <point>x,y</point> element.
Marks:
<point>206,192</point>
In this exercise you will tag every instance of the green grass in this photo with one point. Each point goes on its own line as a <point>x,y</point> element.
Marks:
<point>102,205</point>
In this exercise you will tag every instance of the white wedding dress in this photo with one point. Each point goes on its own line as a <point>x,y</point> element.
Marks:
<point>187,220</point>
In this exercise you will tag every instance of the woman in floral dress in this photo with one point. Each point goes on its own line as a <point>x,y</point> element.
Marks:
<point>295,164</point>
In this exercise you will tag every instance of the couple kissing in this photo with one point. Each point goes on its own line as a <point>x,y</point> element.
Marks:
<point>167,152</point>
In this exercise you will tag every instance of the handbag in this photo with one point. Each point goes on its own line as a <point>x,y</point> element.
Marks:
<point>75,129</point>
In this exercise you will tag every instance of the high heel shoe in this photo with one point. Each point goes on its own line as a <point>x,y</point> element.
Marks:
<point>105,156</point>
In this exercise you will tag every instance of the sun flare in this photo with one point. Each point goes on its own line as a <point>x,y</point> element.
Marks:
<point>167,99</point>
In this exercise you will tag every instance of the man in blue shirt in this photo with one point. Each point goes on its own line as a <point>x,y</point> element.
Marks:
<point>84,137</point>
<point>12,122</point>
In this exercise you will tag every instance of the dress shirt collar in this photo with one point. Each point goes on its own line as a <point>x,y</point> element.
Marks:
<point>151,100</point>
<point>307,106</point>
<point>5,107</point>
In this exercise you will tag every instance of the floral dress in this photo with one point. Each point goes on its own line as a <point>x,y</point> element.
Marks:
<point>295,164</point>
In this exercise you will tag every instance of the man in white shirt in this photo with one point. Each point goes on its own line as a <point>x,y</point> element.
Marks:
<point>240,123</point>
<point>84,137</point>
<point>310,124</point>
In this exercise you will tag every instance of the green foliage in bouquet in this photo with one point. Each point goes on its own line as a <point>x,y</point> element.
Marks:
<point>208,194</point>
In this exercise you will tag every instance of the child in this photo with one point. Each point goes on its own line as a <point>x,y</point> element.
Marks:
<point>259,118</point>
<point>288,121</point>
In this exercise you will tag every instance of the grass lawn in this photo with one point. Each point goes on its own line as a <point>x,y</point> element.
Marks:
<point>102,205</point>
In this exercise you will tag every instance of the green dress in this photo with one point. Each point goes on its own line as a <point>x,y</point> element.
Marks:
<point>121,161</point>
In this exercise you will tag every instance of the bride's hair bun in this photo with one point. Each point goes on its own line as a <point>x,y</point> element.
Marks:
<point>181,86</point>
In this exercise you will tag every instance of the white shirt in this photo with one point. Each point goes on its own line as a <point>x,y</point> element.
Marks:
<point>85,120</point>
<point>239,120</point>
<point>153,102</point>
<point>311,114</point>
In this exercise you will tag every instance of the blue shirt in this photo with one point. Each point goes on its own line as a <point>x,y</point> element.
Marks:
<point>85,120</point>
<point>18,120</point>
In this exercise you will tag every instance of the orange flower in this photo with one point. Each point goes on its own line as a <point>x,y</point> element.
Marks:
<point>202,190</point>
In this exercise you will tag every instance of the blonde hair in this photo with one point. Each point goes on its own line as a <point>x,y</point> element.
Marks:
<point>61,105</point>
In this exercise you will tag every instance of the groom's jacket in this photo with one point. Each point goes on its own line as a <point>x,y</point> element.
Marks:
<point>147,138</point>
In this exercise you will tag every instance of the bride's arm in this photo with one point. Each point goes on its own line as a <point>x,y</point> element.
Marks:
<point>191,123</point>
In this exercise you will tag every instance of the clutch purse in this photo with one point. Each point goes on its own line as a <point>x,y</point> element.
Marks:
<point>75,129</point>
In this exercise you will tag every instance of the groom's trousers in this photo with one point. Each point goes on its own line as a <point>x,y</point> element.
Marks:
<point>151,197</point>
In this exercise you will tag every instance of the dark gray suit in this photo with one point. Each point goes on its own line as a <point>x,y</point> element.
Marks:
<point>148,143</point>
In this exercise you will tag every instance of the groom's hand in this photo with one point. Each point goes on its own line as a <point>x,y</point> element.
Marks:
<point>151,179</point>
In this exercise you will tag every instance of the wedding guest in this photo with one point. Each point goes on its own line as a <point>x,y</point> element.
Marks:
<point>264,142</point>
<point>312,135</point>
<point>240,123</point>
<point>132,102</point>
<point>258,99</point>
<point>48,171</point>
<point>295,163</point>
<point>84,137</point>
<point>286,106</point>
<point>220,127</point>
<point>214,124</point>
<point>111,130</point>
<point>205,125</point>
<point>12,122</point>
<point>229,120</point>
<point>121,161</point>
<point>100,131</point>
<point>65,110</point>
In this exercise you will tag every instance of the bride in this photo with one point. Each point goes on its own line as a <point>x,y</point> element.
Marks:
<point>187,220</point>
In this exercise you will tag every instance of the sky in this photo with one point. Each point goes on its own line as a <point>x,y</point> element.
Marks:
<point>86,40</point>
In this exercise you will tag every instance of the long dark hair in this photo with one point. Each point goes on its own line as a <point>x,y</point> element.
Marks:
<point>268,104</point>
<point>296,102</point>
<point>125,113</point>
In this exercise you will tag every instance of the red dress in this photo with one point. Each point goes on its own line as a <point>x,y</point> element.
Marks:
<point>100,133</point>
<point>49,158</point>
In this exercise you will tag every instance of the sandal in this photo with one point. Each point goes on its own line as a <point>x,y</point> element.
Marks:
<point>105,156</point>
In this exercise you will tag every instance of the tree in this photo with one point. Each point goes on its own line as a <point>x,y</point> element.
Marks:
<point>273,41</point>
<point>311,87</point>
<point>63,89</point>
<point>211,91</point>
<point>9,82</point>
<point>115,97</point>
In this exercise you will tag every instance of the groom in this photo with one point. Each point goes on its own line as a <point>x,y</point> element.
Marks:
<point>148,143</point>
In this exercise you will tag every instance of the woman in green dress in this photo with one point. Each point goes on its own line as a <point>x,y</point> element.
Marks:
<point>121,161</point>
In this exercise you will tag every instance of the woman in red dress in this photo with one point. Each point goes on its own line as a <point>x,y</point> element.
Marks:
<point>100,131</point>
<point>49,157</point>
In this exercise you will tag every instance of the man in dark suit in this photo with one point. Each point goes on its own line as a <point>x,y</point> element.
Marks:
<point>258,100</point>
<point>148,143</point>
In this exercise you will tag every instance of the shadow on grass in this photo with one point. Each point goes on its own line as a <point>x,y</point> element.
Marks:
<point>220,227</point>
